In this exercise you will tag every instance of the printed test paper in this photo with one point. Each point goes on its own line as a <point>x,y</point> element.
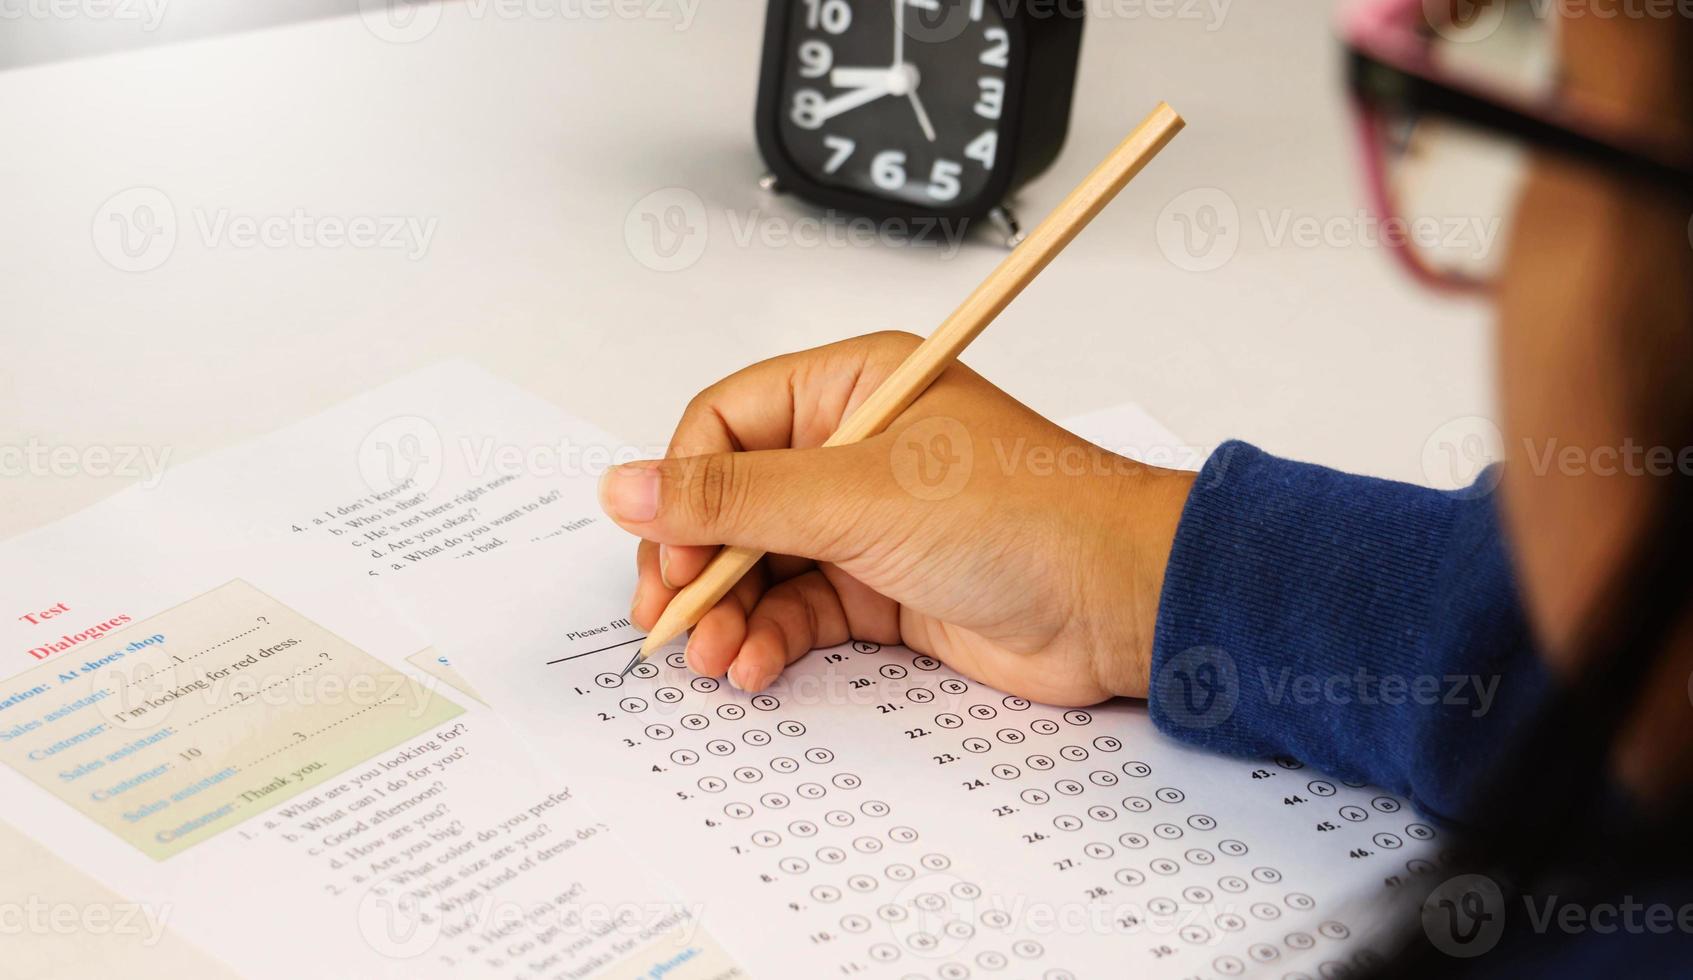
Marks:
<point>204,706</point>
<point>876,814</point>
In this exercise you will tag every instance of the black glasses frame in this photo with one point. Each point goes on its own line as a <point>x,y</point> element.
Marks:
<point>1384,86</point>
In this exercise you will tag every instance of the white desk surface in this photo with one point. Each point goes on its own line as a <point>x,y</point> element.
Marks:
<point>529,142</point>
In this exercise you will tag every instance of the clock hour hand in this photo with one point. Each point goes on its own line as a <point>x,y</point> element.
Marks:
<point>898,80</point>
<point>861,95</point>
<point>860,77</point>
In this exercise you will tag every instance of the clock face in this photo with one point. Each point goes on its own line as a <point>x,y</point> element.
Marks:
<point>900,100</point>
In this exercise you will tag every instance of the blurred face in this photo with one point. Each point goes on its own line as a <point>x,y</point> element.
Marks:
<point>1594,324</point>
<point>1590,303</point>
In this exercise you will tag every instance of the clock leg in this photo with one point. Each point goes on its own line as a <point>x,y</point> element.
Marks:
<point>1007,221</point>
<point>769,183</point>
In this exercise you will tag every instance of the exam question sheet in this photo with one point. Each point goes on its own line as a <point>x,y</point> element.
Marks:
<point>203,705</point>
<point>876,814</point>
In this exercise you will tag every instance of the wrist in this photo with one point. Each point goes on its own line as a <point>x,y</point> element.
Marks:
<point>1139,528</point>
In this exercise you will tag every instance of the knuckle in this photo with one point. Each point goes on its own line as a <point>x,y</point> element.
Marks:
<point>688,439</point>
<point>808,604</point>
<point>713,394</point>
<point>895,342</point>
<point>714,490</point>
<point>700,404</point>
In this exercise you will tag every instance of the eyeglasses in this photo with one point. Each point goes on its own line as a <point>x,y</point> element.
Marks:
<point>1451,97</point>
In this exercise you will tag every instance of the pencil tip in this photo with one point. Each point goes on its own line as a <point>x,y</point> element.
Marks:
<point>653,641</point>
<point>637,658</point>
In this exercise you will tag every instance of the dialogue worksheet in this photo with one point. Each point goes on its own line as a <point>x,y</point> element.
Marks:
<point>876,814</point>
<point>203,705</point>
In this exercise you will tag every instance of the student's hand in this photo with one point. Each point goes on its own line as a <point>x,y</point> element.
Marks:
<point>972,530</point>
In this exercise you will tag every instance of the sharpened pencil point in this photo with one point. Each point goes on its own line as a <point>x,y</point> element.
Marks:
<point>637,658</point>
<point>655,640</point>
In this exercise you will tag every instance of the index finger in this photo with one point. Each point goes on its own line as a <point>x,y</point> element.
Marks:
<point>794,401</point>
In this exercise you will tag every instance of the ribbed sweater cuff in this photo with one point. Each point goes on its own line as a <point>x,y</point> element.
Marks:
<point>1292,592</point>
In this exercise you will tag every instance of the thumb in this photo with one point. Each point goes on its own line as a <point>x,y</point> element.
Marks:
<point>806,502</point>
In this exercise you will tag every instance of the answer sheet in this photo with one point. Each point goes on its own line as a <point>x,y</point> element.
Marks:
<point>204,705</point>
<point>875,814</point>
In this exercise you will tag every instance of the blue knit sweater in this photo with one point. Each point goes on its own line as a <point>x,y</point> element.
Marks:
<point>1373,630</point>
<point>1369,628</point>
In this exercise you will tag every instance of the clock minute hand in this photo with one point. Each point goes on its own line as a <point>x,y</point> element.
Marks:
<point>922,116</point>
<point>899,33</point>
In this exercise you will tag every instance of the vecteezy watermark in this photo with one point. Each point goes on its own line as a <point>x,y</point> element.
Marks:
<point>1198,688</point>
<point>404,921</point>
<point>936,23</point>
<point>1465,916</point>
<point>932,459</point>
<point>396,923</point>
<point>1368,688</point>
<point>409,21</point>
<point>1456,456</point>
<point>1554,913</point>
<point>146,14</point>
<point>35,458</point>
<point>1202,229</point>
<point>137,230</point>
<point>1471,21</point>
<point>144,697</point>
<point>835,230</point>
<point>1201,687</point>
<point>134,230</point>
<point>37,916</point>
<point>409,453</point>
<point>1628,458</point>
<point>670,229</point>
<point>1474,235</point>
<point>403,452</point>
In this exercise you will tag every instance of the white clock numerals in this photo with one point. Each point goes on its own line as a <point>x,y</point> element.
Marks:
<point>943,181</point>
<point>899,131</point>
<point>808,108</point>
<point>992,101</point>
<point>888,170</point>
<point>815,59</point>
<point>840,150</point>
<point>983,148</point>
<point>833,16</point>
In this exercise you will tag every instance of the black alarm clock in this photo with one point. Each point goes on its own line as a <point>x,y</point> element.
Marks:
<point>915,108</point>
